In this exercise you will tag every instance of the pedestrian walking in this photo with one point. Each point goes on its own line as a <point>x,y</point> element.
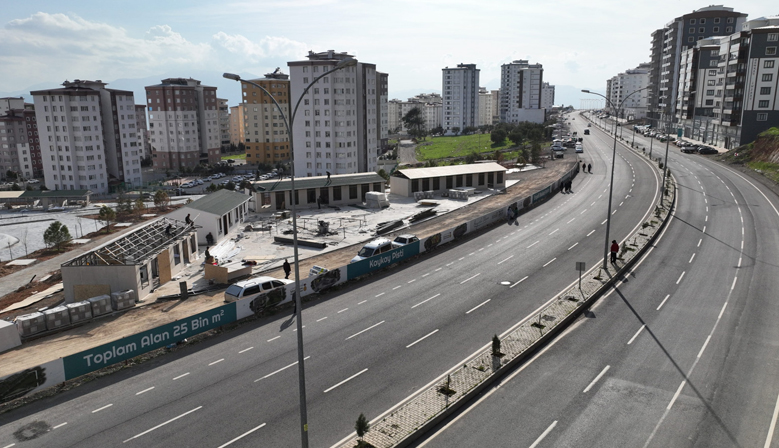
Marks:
<point>287,269</point>
<point>589,168</point>
<point>328,175</point>
<point>614,250</point>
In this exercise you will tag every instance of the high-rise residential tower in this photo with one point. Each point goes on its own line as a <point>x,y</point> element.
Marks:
<point>620,91</point>
<point>20,150</point>
<point>265,134</point>
<point>547,96</point>
<point>460,89</point>
<point>521,86</point>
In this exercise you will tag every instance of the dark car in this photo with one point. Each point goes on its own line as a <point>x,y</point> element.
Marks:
<point>586,132</point>
<point>707,150</point>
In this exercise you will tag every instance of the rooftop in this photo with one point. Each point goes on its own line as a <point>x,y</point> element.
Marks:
<point>303,183</point>
<point>452,170</point>
<point>219,202</point>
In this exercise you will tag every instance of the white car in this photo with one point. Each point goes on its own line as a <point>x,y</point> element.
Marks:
<point>253,287</point>
<point>579,147</point>
<point>402,240</point>
<point>199,182</point>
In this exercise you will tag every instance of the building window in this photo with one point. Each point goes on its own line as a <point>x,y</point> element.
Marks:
<point>701,30</point>
<point>709,102</point>
<point>715,29</point>
<point>729,29</point>
<point>765,90</point>
<point>768,64</point>
<point>176,255</point>
<point>730,19</point>
<point>691,31</point>
<point>702,21</point>
<point>762,103</point>
<point>770,51</point>
<point>773,37</point>
<point>716,20</point>
<point>692,21</point>
<point>690,39</point>
<point>762,117</point>
<point>768,77</point>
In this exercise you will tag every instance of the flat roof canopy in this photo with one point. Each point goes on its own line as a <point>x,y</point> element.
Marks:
<point>453,170</point>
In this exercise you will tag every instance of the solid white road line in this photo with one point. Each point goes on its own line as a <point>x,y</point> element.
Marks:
<point>550,262</point>
<point>680,277</point>
<point>602,372</point>
<point>574,245</point>
<point>60,425</point>
<point>281,369</point>
<point>637,333</point>
<point>470,278</point>
<point>162,424</point>
<point>379,295</point>
<point>676,395</point>
<point>216,362</point>
<point>363,331</point>
<point>104,407</point>
<point>477,306</point>
<point>422,338</point>
<point>420,303</point>
<point>273,339</point>
<point>544,434</point>
<point>663,302</point>
<point>348,379</point>
<point>507,259</point>
<point>533,244</point>
<point>771,428</point>
<point>245,350</point>
<point>181,376</point>
<point>515,284</point>
<point>320,320</point>
<point>242,436</point>
<point>593,231</point>
<point>144,391</point>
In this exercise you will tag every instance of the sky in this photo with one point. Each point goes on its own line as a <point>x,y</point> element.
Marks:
<point>131,44</point>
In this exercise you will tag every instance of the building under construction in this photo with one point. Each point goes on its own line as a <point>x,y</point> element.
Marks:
<point>141,261</point>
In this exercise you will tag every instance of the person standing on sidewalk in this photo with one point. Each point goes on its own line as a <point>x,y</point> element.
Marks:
<point>287,269</point>
<point>589,168</point>
<point>614,251</point>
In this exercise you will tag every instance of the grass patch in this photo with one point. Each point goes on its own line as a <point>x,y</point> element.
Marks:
<point>770,170</point>
<point>235,157</point>
<point>460,146</point>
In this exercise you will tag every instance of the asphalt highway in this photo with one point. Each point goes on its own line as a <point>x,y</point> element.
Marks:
<point>368,346</point>
<point>682,353</point>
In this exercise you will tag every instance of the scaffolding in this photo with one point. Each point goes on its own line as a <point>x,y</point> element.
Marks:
<point>136,247</point>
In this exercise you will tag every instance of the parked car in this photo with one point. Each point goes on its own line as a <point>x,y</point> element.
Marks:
<point>689,149</point>
<point>33,181</point>
<point>579,148</point>
<point>375,247</point>
<point>198,182</point>
<point>253,287</point>
<point>402,240</point>
<point>707,150</point>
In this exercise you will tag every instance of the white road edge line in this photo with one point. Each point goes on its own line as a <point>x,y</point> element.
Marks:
<point>422,338</point>
<point>477,306</point>
<point>420,303</point>
<point>348,379</point>
<point>771,428</point>
<point>163,424</point>
<point>181,376</point>
<point>470,278</point>
<point>515,284</point>
<point>144,391</point>
<point>363,331</point>
<point>637,333</point>
<point>104,407</point>
<point>544,434</point>
<point>242,436</point>
<point>602,372</point>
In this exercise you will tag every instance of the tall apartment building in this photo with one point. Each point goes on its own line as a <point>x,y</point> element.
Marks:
<point>383,111</point>
<point>20,149</point>
<point>495,106</point>
<point>620,88</point>
<point>224,123</point>
<point>236,124</point>
<point>183,124</point>
<point>142,127</point>
<point>460,97</point>
<point>727,91</point>
<point>678,35</point>
<point>547,95</point>
<point>429,104</point>
<point>337,128</point>
<point>485,107</point>
<point>520,92</point>
<point>89,139</point>
<point>265,134</point>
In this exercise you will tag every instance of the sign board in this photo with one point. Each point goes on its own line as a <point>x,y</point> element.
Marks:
<point>679,132</point>
<point>381,261</point>
<point>580,266</point>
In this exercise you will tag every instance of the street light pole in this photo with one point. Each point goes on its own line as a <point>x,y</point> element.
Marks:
<point>298,301</point>
<point>613,162</point>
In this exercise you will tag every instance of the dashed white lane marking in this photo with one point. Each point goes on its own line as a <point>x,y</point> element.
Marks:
<point>163,424</point>
<point>412,280</point>
<point>348,379</point>
<point>425,275</point>
<point>699,242</point>
<point>613,212</point>
<point>592,204</point>
<point>477,306</point>
<point>515,284</point>
<point>426,300</point>
<point>583,211</point>
<point>9,446</point>
<point>507,259</point>
<point>533,244</point>
<point>180,376</point>
<point>400,286</point>
<point>470,278</point>
<point>320,320</point>
<point>360,303</point>
<point>636,335</point>
<point>422,338</point>
<point>245,350</point>
<point>216,362</point>
<point>676,395</point>
<point>144,391</point>
<point>104,407</point>
<point>550,261</point>
<point>734,283</point>
<point>707,218</point>
<point>273,339</point>
<point>620,204</point>
<point>242,436</point>
<point>280,370</point>
<point>604,221</point>
<point>342,310</point>
<point>602,372</point>
<point>591,232</point>
<point>574,245</point>
<point>449,264</point>
<point>704,230</point>
<point>463,258</point>
<point>60,425</point>
<point>544,434</point>
<point>691,258</point>
<point>553,232</point>
<point>663,302</point>
<point>363,331</point>
<point>438,269</point>
<point>708,338</point>
<point>379,295</point>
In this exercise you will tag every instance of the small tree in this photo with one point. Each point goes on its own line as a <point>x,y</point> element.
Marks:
<point>107,214</point>
<point>456,130</point>
<point>383,174</point>
<point>56,234</point>
<point>230,186</point>
<point>161,199</point>
<point>362,426</point>
<point>498,136</point>
<point>140,206</point>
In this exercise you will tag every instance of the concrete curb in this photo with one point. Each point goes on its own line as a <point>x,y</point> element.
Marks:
<point>418,414</point>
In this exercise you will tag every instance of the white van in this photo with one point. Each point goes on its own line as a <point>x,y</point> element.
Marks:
<point>375,247</point>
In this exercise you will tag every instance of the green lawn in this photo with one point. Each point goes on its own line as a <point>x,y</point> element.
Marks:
<point>460,146</point>
<point>770,170</point>
<point>235,157</point>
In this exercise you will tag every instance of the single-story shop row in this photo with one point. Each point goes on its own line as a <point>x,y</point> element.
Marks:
<point>340,189</point>
<point>441,179</point>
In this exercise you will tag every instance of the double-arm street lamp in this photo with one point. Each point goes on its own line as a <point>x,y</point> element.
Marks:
<point>298,302</point>
<point>613,161</point>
